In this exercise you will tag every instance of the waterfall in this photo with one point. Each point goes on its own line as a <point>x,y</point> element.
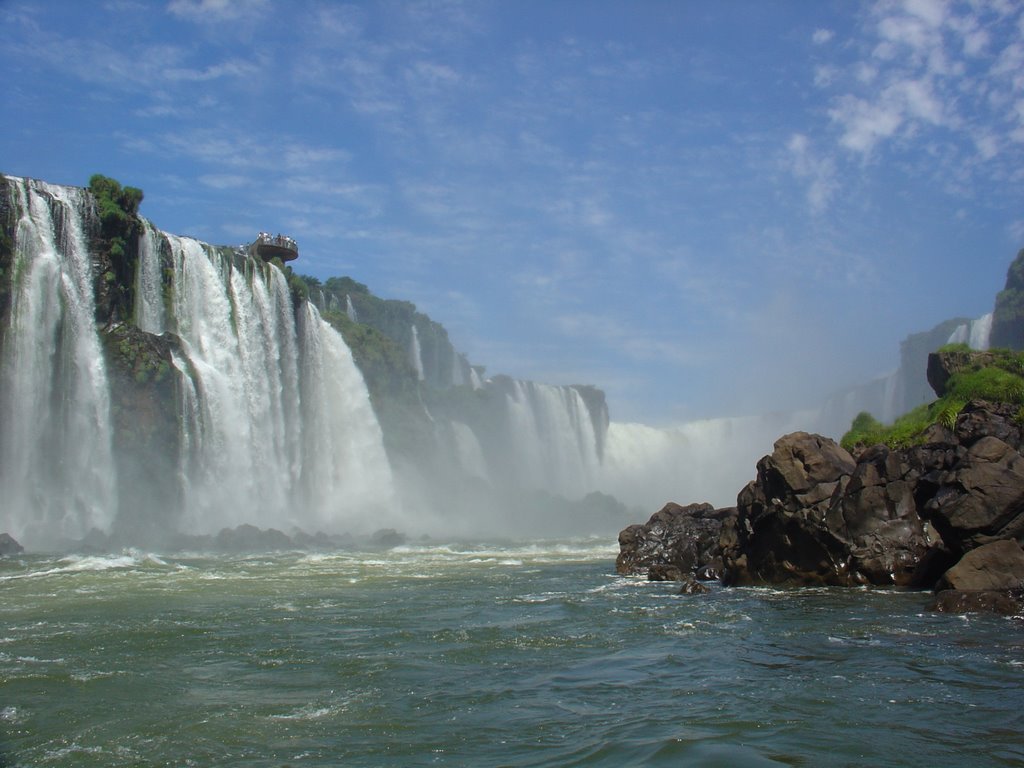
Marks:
<point>458,377</point>
<point>275,425</point>
<point>974,334</point>
<point>550,442</point>
<point>149,298</point>
<point>278,424</point>
<point>350,309</point>
<point>57,474</point>
<point>706,460</point>
<point>345,470</point>
<point>238,337</point>
<point>416,354</point>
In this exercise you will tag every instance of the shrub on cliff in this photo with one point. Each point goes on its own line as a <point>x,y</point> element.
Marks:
<point>117,208</point>
<point>996,376</point>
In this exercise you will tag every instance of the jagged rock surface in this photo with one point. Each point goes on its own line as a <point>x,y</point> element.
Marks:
<point>817,515</point>
<point>676,544</point>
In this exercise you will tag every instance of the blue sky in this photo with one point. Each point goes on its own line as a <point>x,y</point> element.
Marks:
<point>705,208</point>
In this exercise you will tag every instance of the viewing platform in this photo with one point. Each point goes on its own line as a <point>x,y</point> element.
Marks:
<point>268,246</point>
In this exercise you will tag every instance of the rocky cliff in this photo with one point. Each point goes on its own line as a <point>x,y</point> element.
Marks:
<point>1008,317</point>
<point>931,515</point>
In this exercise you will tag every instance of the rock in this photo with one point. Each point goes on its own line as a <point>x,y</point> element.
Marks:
<point>814,516</point>
<point>249,538</point>
<point>1007,602</point>
<point>995,566</point>
<point>980,499</point>
<point>1008,317</point>
<point>980,419</point>
<point>692,587</point>
<point>9,546</point>
<point>943,365</point>
<point>676,542</point>
<point>387,538</point>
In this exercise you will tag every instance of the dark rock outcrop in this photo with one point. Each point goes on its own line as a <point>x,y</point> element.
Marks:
<point>9,545</point>
<point>815,516</point>
<point>942,366</point>
<point>980,499</point>
<point>249,538</point>
<point>678,543</point>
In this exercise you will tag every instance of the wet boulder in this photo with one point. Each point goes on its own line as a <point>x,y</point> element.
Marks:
<point>980,499</point>
<point>814,516</point>
<point>677,543</point>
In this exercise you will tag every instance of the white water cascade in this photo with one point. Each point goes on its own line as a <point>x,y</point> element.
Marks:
<point>279,427</point>
<point>57,474</point>
<point>416,354</point>
<point>276,428</point>
<point>149,299</point>
<point>350,309</point>
<point>345,473</point>
<point>550,442</point>
<point>974,334</point>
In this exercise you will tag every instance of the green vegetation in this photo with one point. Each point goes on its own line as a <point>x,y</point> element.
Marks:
<point>996,376</point>
<point>118,208</point>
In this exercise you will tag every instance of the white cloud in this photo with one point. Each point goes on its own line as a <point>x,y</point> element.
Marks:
<point>207,11</point>
<point>224,181</point>
<point>818,172</point>
<point>822,36</point>
<point>863,123</point>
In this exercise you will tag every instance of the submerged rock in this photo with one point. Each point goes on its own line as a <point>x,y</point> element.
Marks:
<point>1007,602</point>
<point>9,546</point>
<point>249,538</point>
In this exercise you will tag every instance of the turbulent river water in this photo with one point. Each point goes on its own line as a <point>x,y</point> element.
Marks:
<point>511,654</point>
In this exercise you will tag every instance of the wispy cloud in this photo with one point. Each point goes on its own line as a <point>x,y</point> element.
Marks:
<point>215,11</point>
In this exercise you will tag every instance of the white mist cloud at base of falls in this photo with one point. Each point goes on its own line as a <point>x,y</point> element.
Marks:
<point>275,422</point>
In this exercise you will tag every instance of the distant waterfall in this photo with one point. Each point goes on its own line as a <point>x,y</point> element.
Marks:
<point>974,334</point>
<point>57,474</point>
<point>350,309</point>
<point>416,354</point>
<point>547,440</point>
<point>706,460</point>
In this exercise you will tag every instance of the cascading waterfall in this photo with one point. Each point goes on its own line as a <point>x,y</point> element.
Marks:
<point>57,473</point>
<point>416,354</point>
<point>350,309</point>
<point>345,471</point>
<point>149,298</point>
<point>275,424</point>
<point>277,414</point>
<point>975,334</point>
<point>551,443</point>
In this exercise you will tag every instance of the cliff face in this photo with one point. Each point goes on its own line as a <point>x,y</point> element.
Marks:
<point>1008,317</point>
